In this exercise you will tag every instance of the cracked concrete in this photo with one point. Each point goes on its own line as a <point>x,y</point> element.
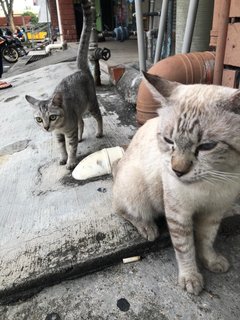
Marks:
<point>51,226</point>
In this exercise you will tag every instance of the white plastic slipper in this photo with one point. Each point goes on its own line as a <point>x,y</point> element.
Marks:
<point>97,164</point>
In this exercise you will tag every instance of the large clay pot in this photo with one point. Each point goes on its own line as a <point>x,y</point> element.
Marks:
<point>195,67</point>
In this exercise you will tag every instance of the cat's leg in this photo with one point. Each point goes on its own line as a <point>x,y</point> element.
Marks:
<point>146,227</point>
<point>71,146</point>
<point>62,147</point>
<point>206,231</point>
<point>80,128</point>
<point>133,203</point>
<point>96,113</point>
<point>181,230</point>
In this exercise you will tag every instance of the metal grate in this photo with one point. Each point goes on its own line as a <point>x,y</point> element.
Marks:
<point>36,55</point>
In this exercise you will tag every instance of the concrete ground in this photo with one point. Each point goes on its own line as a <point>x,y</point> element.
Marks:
<point>142,290</point>
<point>54,228</point>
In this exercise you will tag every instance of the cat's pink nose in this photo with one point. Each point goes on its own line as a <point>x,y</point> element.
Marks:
<point>179,173</point>
<point>180,166</point>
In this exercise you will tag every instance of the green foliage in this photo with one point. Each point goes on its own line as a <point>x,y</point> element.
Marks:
<point>34,18</point>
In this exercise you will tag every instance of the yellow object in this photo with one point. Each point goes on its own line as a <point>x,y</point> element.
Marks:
<point>37,36</point>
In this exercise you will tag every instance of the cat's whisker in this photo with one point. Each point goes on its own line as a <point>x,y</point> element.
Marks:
<point>222,178</point>
<point>229,176</point>
<point>209,181</point>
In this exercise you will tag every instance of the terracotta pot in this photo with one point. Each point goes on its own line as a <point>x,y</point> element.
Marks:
<point>196,67</point>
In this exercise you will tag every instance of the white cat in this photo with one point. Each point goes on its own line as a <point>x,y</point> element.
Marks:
<point>185,164</point>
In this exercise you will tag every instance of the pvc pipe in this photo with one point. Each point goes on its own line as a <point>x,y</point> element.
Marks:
<point>191,19</point>
<point>140,35</point>
<point>51,46</point>
<point>162,23</point>
<point>59,21</point>
<point>221,41</point>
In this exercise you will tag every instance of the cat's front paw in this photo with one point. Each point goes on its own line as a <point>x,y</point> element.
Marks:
<point>148,230</point>
<point>62,162</point>
<point>71,165</point>
<point>191,282</point>
<point>99,135</point>
<point>218,264</point>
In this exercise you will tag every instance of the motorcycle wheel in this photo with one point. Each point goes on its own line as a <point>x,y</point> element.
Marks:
<point>21,52</point>
<point>10,54</point>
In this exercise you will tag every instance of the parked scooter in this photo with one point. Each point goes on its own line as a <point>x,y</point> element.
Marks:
<point>12,49</point>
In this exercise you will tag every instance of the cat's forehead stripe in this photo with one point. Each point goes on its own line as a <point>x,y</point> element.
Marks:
<point>43,108</point>
<point>188,119</point>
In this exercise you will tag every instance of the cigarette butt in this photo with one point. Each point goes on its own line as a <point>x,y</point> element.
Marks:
<point>131,259</point>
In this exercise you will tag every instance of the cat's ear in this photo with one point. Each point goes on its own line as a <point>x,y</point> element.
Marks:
<point>33,102</point>
<point>57,99</point>
<point>160,88</point>
<point>234,103</point>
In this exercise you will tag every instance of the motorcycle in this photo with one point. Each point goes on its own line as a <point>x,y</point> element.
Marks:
<point>12,49</point>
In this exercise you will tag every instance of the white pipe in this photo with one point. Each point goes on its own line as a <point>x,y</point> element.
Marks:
<point>140,35</point>
<point>162,24</point>
<point>191,19</point>
<point>59,21</point>
<point>51,46</point>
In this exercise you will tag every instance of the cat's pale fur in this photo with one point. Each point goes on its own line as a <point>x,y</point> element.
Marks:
<point>63,111</point>
<point>186,164</point>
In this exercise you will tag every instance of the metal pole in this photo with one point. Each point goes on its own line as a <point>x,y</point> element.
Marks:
<point>140,35</point>
<point>59,21</point>
<point>191,19</point>
<point>151,18</point>
<point>48,23</point>
<point>161,30</point>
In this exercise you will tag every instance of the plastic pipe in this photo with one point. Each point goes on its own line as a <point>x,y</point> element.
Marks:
<point>191,19</point>
<point>221,41</point>
<point>162,23</point>
<point>51,46</point>
<point>140,35</point>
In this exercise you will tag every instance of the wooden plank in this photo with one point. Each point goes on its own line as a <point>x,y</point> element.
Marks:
<point>234,9</point>
<point>213,40</point>
<point>232,51</point>
<point>229,78</point>
<point>215,23</point>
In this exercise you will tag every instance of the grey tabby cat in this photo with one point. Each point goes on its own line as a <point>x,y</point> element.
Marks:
<point>74,95</point>
<point>186,163</point>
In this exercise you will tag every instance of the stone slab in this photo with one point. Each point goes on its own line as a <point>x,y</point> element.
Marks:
<point>52,226</point>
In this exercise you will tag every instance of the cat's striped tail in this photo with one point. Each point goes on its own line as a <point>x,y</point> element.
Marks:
<point>82,56</point>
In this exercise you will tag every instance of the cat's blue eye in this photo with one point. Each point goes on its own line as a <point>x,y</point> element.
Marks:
<point>52,117</point>
<point>168,140</point>
<point>38,119</point>
<point>206,146</point>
